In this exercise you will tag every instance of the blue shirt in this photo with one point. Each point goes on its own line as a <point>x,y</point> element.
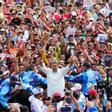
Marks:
<point>30,80</point>
<point>0,81</point>
<point>37,79</point>
<point>98,76</point>
<point>5,90</point>
<point>85,78</point>
<point>73,68</point>
<point>81,101</point>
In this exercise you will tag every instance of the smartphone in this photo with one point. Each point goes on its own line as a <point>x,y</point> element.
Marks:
<point>66,109</point>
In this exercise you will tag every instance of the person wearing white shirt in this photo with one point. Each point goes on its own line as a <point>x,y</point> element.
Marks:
<point>37,104</point>
<point>55,78</point>
<point>82,99</point>
<point>26,35</point>
<point>70,29</point>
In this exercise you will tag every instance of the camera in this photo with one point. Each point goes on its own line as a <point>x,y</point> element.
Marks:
<point>101,85</point>
<point>107,60</point>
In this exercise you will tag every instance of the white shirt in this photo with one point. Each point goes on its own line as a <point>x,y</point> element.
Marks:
<point>55,80</point>
<point>82,97</point>
<point>36,104</point>
<point>49,9</point>
<point>88,3</point>
<point>26,35</point>
<point>70,31</point>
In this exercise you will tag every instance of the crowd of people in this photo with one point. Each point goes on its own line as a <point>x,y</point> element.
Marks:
<point>56,56</point>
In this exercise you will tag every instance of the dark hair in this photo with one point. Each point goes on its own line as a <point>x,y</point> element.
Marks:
<point>46,98</point>
<point>111,24</point>
<point>56,99</point>
<point>31,67</point>
<point>100,14</point>
<point>16,21</point>
<point>91,97</point>
<point>110,14</point>
<point>76,110</point>
<point>78,4</point>
<point>0,4</point>
<point>87,65</point>
<point>27,21</point>
<point>70,36</point>
<point>24,108</point>
<point>1,50</point>
<point>1,72</point>
<point>76,95</point>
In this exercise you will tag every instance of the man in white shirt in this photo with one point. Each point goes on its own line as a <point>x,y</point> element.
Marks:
<point>55,78</point>
<point>81,100</point>
<point>36,103</point>
<point>71,29</point>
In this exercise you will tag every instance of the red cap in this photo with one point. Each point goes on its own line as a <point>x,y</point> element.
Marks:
<point>92,92</point>
<point>57,94</point>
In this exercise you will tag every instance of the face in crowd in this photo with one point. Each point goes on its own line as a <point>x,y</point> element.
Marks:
<point>54,66</point>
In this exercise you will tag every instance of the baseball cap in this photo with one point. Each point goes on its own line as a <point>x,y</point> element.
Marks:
<point>3,30</point>
<point>74,13</point>
<point>37,91</point>
<point>76,87</point>
<point>47,3</point>
<point>92,92</point>
<point>70,4</point>
<point>57,94</point>
<point>6,72</point>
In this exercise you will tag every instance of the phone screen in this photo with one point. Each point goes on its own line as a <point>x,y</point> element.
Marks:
<point>66,109</point>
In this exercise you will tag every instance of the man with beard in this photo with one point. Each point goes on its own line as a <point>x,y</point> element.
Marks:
<point>55,77</point>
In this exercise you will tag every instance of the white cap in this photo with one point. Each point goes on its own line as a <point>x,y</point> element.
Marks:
<point>74,13</point>
<point>37,91</point>
<point>6,72</point>
<point>47,3</point>
<point>91,18</point>
<point>3,29</point>
<point>76,87</point>
<point>1,1</point>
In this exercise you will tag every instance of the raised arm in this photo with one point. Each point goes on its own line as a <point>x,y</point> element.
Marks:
<point>79,78</point>
<point>67,68</point>
<point>71,61</point>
